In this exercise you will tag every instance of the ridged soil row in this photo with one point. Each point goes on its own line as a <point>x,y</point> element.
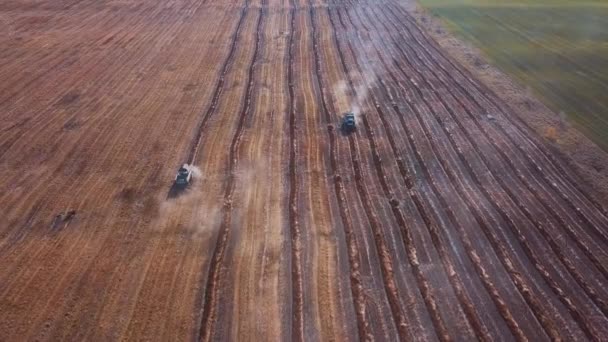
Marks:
<point>377,309</point>
<point>165,248</point>
<point>192,94</point>
<point>545,199</point>
<point>516,132</point>
<point>384,255</point>
<point>208,316</point>
<point>483,273</point>
<point>257,260</point>
<point>354,261</point>
<point>182,279</point>
<point>572,308</point>
<point>561,221</point>
<point>399,217</point>
<point>212,109</point>
<point>501,249</point>
<point>219,87</point>
<point>164,252</point>
<point>458,285</point>
<point>329,305</point>
<point>543,230</point>
<point>425,288</point>
<point>167,75</point>
<point>297,298</point>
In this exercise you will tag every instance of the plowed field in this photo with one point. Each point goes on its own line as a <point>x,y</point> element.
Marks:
<point>443,217</point>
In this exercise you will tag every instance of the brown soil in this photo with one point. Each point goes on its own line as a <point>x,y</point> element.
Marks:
<point>431,221</point>
<point>586,159</point>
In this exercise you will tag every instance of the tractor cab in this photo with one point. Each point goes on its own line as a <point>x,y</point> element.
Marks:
<point>184,176</point>
<point>349,123</point>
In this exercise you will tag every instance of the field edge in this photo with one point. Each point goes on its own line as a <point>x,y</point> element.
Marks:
<point>588,161</point>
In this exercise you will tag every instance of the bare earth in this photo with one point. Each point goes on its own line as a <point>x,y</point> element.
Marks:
<point>584,157</point>
<point>443,217</point>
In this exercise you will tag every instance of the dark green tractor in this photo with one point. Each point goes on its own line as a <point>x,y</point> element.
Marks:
<point>349,124</point>
<point>184,176</point>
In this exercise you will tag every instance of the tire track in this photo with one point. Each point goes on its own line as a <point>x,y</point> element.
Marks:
<point>325,258</point>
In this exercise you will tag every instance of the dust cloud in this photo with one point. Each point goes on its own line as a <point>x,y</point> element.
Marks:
<point>196,171</point>
<point>199,210</point>
<point>192,211</point>
<point>363,79</point>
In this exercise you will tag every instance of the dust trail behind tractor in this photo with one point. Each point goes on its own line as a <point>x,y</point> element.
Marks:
<point>182,181</point>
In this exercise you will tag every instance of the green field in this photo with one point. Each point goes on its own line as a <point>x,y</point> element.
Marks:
<point>558,48</point>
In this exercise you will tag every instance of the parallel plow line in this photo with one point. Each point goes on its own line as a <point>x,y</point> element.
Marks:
<point>552,284</point>
<point>483,274</point>
<point>208,316</point>
<point>385,259</point>
<point>294,225</point>
<point>536,171</point>
<point>353,253</point>
<point>555,165</point>
<point>586,249</point>
<point>219,87</point>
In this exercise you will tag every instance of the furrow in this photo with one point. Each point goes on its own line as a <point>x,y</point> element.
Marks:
<point>386,263</point>
<point>296,243</point>
<point>209,313</point>
<point>353,253</point>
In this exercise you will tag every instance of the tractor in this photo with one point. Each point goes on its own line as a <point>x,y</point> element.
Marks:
<point>184,176</point>
<point>349,123</point>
